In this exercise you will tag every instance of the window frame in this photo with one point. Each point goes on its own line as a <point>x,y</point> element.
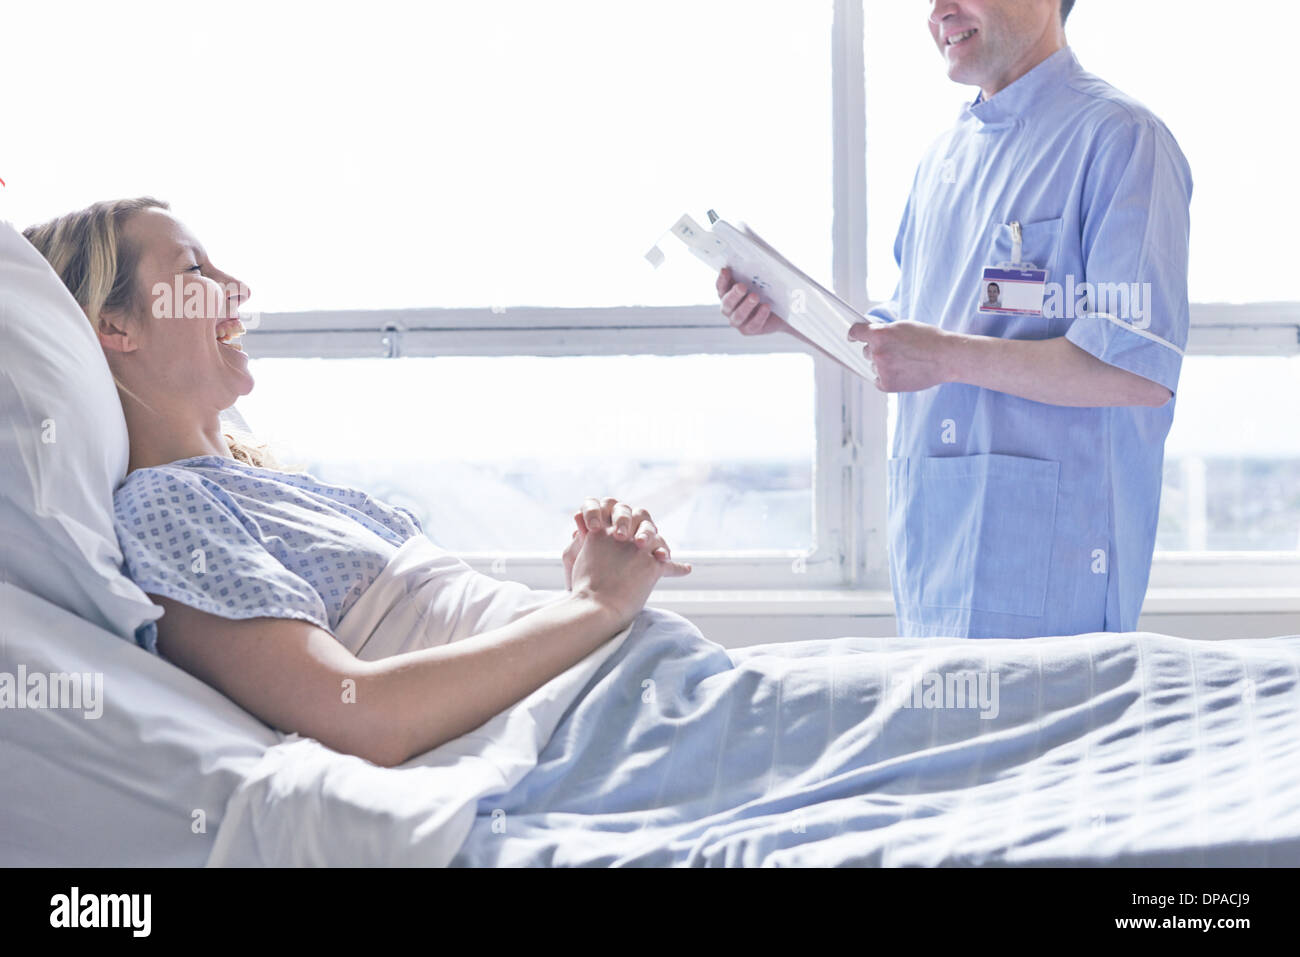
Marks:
<point>850,540</point>
<point>848,523</point>
<point>667,331</point>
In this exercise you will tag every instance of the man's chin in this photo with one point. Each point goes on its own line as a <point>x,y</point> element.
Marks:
<point>963,72</point>
<point>959,73</point>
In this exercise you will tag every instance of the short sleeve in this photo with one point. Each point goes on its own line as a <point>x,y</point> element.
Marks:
<point>1135,241</point>
<point>187,541</point>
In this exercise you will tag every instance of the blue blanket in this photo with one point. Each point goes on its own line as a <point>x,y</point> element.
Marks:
<point>1098,749</point>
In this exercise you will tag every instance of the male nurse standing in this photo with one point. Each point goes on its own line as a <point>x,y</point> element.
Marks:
<point>1024,481</point>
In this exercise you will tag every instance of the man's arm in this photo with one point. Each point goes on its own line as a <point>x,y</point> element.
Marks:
<point>1054,371</point>
<point>1135,236</point>
<point>910,356</point>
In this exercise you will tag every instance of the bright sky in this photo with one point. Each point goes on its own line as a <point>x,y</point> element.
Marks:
<point>429,153</point>
<point>508,152</point>
<point>501,153</point>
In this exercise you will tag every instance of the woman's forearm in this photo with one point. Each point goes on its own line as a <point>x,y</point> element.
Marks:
<point>422,699</point>
<point>299,678</point>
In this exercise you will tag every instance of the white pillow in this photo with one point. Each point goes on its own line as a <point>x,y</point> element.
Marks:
<point>63,449</point>
<point>120,781</point>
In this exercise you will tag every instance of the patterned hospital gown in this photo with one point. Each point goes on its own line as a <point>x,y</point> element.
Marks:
<point>239,541</point>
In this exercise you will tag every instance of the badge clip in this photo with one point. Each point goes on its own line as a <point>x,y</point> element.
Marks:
<point>1017,247</point>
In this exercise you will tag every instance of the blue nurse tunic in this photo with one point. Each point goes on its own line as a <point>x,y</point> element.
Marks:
<point>1014,518</point>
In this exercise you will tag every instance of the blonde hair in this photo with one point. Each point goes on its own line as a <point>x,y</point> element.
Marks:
<point>89,250</point>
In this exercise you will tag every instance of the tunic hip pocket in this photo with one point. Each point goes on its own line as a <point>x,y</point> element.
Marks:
<point>988,522</point>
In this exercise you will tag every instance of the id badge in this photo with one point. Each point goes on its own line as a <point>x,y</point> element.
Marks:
<point>1014,288</point>
<point>1015,291</point>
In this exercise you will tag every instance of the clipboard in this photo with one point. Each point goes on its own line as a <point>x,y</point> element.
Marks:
<point>793,295</point>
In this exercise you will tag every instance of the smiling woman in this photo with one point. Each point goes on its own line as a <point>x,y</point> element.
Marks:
<point>135,270</point>
<point>237,553</point>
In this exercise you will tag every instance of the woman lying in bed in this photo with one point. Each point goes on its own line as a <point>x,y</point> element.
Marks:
<point>254,566</point>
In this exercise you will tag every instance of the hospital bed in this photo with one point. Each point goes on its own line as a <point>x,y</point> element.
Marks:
<point>1105,749</point>
<point>660,748</point>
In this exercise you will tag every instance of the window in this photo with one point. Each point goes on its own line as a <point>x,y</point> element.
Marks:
<point>422,182</point>
<point>1232,459</point>
<point>495,454</point>
<point>493,434</point>
<point>434,208</point>
<point>410,154</point>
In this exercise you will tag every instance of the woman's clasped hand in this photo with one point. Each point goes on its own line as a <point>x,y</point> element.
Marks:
<point>617,555</point>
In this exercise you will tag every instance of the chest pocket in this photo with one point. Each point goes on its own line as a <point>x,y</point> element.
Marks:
<point>1041,244</point>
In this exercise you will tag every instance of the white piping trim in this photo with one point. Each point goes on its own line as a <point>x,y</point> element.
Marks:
<point>1132,328</point>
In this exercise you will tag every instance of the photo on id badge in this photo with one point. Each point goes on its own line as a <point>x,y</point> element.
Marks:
<point>1018,292</point>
